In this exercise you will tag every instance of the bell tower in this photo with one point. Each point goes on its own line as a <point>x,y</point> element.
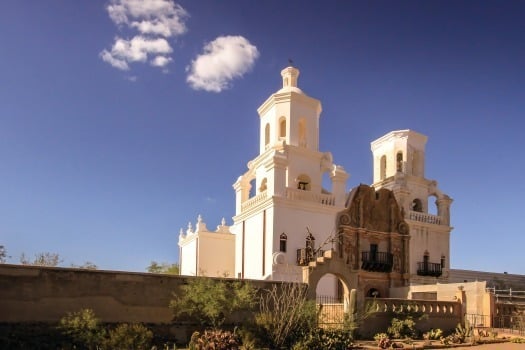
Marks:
<point>399,165</point>
<point>280,198</point>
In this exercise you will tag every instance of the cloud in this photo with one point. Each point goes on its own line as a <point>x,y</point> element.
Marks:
<point>136,50</point>
<point>222,60</point>
<point>160,61</point>
<point>155,21</point>
<point>157,17</point>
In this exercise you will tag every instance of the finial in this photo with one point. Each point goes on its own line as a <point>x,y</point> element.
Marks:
<point>199,218</point>
<point>290,62</point>
<point>223,222</point>
<point>190,226</point>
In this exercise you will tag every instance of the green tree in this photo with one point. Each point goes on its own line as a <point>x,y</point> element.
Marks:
<point>170,269</point>
<point>130,336</point>
<point>3,255</point>
<point>210,300</point>
<point>42,259</point>
<point>83,328</point>
<point>88,265</point>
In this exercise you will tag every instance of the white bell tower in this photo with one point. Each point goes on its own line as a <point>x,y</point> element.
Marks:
<point>399,165</point>
<point>281,197</point>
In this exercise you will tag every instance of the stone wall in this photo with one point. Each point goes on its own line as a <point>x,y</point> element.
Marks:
<point>30,294</point>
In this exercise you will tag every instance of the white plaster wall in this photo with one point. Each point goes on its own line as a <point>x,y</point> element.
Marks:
<point>428,238</point>
<point>217,254</point>
<point>189,257</point>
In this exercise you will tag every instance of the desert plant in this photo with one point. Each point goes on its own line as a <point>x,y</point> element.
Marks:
<point>130,337</point>
<point>215,340</point>
<point>402,328</point>
<point>383,341</point>
<point>327,339</point>
<point>210,300</point>
<point>285,315</point>
<point>433,334</point>
<point>518,340</point>
<point>83,328</point>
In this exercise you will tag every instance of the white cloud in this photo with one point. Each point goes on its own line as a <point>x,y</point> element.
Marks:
<point>160,61</point>
<point>155,21</point>
<point>222,60</point>
<point>157,17</point>
<point>135,50</point>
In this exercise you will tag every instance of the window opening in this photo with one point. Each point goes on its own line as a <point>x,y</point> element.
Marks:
<point>399,161</point>
<point>282,242</point>
<point>282,127</point>
<point>417,205</point>
<point>382,166</point>
<point>373,252</point>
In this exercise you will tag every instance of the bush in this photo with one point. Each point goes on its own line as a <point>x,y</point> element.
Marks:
<point>402,328</point>
<point>130,337</point>
<point>211,300</point>
<point>433,334</point>
<point>285,316</point>
<point>214,339</point>
<point>83,328</point>
<point>383,341</point>
<point>326,339</point>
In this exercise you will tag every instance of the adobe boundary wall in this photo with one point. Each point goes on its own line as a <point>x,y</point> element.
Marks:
<point>36,294</point>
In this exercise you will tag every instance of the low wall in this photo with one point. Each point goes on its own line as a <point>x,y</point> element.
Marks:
<point>437,314</point>
<point>30,294</point>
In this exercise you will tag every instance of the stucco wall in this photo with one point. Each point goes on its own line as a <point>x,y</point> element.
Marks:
<point>44,294</point>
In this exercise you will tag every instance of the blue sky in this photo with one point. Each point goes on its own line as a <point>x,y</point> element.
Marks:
<point>120,121</point>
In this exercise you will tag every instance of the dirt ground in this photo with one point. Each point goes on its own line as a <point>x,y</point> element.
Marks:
<point>500,346</point>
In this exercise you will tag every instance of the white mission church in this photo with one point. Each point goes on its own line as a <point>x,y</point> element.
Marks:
<point>284,217</point>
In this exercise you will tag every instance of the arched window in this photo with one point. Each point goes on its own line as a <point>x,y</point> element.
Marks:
<point>442,261</point>
<point>426,258</point>
<point>417,205</point>
<point>267,134</point>
<point>282,242</point>
<point>382,168</point>
<point>303,182</point>
<point>282,127</point>
<point>302,132</point>
<point>399,162</point>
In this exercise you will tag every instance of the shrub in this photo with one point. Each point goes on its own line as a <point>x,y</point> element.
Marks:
<point>214,339</point>
<point>83,328</point>
<point>433,334</point>
<point>402,328</point>
<point>210,300</point>
<point>326,339</point>
<point>383,341</point>
<point>285,316</point>
<point>130,337</point>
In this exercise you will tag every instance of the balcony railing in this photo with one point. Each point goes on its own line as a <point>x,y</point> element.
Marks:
<point>428,269</point>
<point>423,217</point>
<point>377,261</point>
<point>305,255</point>
<point>308,196</point>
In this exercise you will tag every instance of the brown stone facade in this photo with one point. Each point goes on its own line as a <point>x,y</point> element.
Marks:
<point>373,241</point>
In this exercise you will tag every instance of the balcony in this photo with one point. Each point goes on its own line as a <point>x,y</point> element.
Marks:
<point>306,255</point>
<point>423,217</point>
<point>428,269</point>
<point>377,261</point>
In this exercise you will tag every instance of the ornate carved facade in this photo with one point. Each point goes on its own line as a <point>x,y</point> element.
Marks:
<point>374,240</point>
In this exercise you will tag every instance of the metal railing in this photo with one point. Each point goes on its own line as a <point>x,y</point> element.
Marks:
<point>377,261</point>
<point>306,255</point>
<point>425,268</point>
